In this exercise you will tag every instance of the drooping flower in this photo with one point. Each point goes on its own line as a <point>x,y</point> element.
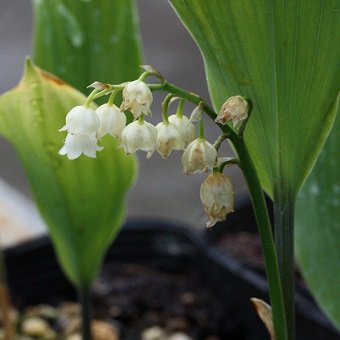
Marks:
<point>199,156</point>
<point>217,197</point>
<point>187,129</point>
<point>139,135</point>
<point>137,98</point>
<point>235,109</point>
<point>76,144</point>
<point>112,120</point>
<point>82,120</point>
<point>168,139</point>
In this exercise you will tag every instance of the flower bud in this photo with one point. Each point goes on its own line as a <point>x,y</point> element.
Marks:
<point>81,120</point>
<point>168,139</point>
<point>235,109</point>
<point>186,129</point>
<point>77,144</point>
<point>199,156</point>
<point>137,98</point>
<point>217,197</point>
<point>139,135</point>
<point>112,120</point>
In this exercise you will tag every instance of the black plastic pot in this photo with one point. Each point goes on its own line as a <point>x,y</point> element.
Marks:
<point>35,277</point>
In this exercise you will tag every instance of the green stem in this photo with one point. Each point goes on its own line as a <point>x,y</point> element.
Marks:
<point>229,162</point>
<point>141,119</point>
<point>267,242</point>
<point>179,111</point>
<point>284,238</point>
<point>189,96</point>
<point>91,97</point>
<point>144,75</point>
<point>85,301</point>
<point>112,97</point>
<point>194,99</point>
<point>201,128</point>
<point>165,106</point>
<point>221,138</point>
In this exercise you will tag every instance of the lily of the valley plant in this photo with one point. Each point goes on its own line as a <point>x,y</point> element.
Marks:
<point>86,126</point>
<point>283,55</point>
<point>178,133</point>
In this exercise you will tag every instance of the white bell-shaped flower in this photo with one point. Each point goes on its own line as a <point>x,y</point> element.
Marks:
<point>217,197</point>
<point>186,128</point>
<point>112,120</point>
<point>82,120</point>
<point>137,98</point>
<point>235,109</point>
<point>168,139</point>
<point>77,144</point>
<point>199,156</point>
<point>139,135</point>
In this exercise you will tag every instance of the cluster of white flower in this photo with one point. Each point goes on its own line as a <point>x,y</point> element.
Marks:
<point>86,126</point>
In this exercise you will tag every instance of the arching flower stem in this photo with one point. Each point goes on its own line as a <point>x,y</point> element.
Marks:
<point>221,138</point>
<point>165,107</point>
<point>144,75</point>
<point>112,97</point>
<point>91,97</point>
<point>232,161</point>
<point>201,128</point>
<point>179,111</point>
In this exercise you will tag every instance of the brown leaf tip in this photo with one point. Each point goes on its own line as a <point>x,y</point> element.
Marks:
<point>52,77</point>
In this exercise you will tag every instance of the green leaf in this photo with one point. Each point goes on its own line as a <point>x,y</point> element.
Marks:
<point>82,201</point>
<point>86,40</point>
<point>318,228</point>
<point>284,56</point>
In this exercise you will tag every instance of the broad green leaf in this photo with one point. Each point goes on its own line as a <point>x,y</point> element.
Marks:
<point>318,228</point>
<point>284,56</point>
<point>81,41</point>
<point>82,201</point>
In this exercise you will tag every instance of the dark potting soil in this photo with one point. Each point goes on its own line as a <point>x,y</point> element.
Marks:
<point>245,247</point>
<point>136,302</point>
<point>137,298</point>
<point>196,293</point>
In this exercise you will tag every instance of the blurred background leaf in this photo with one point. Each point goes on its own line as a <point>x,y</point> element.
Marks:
<point>82,201</point>
<point>86,40</point>
<point>318,228</point>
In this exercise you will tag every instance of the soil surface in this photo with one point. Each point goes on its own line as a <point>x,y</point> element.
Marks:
<point>243,246</point>
<point>135,302</point>
<point>138,298</point>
